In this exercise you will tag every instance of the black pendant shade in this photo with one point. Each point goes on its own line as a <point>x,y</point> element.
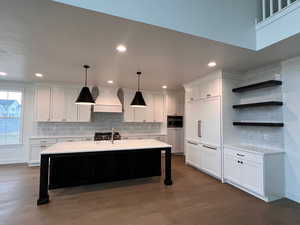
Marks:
<point>85,97</point>
<point>138,100</point>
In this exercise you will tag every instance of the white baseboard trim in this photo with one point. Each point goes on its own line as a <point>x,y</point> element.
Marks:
<point>293,197</point>
<point>8,162</point>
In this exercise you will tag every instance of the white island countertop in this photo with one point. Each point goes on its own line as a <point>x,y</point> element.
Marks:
<point>92,146</point>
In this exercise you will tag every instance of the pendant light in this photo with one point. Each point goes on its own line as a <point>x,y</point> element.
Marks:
<point>138,100</point>
<point>85,96</point>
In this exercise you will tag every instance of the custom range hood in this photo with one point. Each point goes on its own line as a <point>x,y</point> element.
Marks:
<point>107,99</point>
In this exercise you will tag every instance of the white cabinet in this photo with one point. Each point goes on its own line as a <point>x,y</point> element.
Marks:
<point>232,169</point>
<point>57,104</point>
<point>36,147</point>
<point>153,112</point>
<point>128,110</point>
<point>176,139</point>
<point>158,108</point>
<point>71,95</point>
<point>42,104</point>
<point>193,154</point>
<point>84,113</point>
<point>175,103</point>
<point>145,114</point>
<point>258,174</point>
<point>211,160</point>
<point>204,88</point>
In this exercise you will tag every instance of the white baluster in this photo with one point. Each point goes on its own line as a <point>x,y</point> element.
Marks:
<point>289,2</point>
<point>271,7</point>
<point>263,9</point>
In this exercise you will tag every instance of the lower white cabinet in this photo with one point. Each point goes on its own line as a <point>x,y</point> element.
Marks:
<point>176,139</point>
<point>204,157</point>
<point>258,174</point>
<point>36,147</point>
<point>193,154</point>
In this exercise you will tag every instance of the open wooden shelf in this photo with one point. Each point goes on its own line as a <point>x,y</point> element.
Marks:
<point>258,104</point>
<point>260,124</point>
<point>265,84</point>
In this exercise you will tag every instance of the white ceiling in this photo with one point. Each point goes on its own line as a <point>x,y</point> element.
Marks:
<point>56,40</point>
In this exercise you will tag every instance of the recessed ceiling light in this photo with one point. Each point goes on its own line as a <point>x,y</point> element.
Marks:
<point>121,48</point>
<point>164,86</point>
<point>3,74</point>
<point>110,81</point>
<point>212,64</point>
<point>39,75</point>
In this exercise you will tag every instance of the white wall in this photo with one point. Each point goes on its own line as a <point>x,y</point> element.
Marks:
<point>230,21</point>
<point>267,137</point>
<point>291,110</point>
<point>281,26</point>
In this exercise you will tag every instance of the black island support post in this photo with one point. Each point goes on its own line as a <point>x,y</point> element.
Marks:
<point>46,159</point>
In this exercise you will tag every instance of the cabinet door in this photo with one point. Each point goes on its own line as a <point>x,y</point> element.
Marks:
<point>180,104</point>
<point>179,140</point>
<point>211,121</point>
<point>128,110</point>
<point>213,88</point>
<point>171,139</point>
<point>149,108</point>
<point>57,104</point>
<point>144,114</point>
<point>171,104</point>
<point>42,104</point>
<point>84,113</point>
<point>193,128</point>
<point>35,153</point>
<point>70,106</point>
<point>232,169</point>
<point>210,161</point>
<point>159,108</point>
<point>193,155</point>
<point>252,176</point>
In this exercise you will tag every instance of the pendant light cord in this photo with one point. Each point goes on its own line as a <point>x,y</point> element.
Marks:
<point>139,76</point>
<point>86,77</point>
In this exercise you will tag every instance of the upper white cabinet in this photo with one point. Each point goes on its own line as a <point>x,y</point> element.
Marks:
<point>42,103</point>
<point>175,103</point>
<point>71,95</point>
<point>158,108</point>
<point>84,113</point>
<point>57,104</point>
<point>204,88</point>
<point>153,112</point>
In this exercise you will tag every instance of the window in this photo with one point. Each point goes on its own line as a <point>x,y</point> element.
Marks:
<point>10,117</point>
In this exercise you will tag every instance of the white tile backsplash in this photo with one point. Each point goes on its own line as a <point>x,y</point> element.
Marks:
<point>260,136</point>
<point>100,122</point>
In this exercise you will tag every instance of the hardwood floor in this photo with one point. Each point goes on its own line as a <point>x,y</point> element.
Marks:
<point>195,199</point>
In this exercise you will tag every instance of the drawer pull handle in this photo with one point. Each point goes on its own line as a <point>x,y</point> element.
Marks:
<point>192,143</point>
<point>210,147</point>
<point>240,155</point>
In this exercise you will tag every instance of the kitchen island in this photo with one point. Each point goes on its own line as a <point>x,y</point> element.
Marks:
<point>90,162</point>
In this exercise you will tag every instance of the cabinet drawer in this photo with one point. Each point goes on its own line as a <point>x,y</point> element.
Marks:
<point>243,155</point>
<point>87,139</point>
<point>45,141</point>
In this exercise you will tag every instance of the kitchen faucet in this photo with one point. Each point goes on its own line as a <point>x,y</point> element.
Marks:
<point>113,131</point>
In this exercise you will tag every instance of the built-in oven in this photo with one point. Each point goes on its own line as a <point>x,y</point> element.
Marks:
<point>175,121</point>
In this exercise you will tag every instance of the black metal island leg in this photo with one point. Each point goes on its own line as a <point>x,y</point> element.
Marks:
<point>168,167</point>
<point>44,177</point>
